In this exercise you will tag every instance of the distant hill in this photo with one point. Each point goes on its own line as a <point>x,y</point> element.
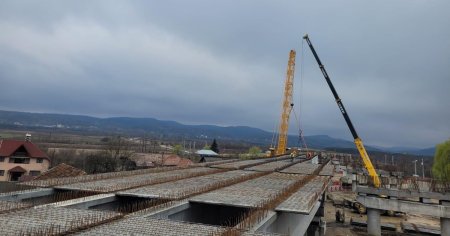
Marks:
<point>426,151</point>
<point>409,150</point>
<point>163,129</point>
<point>325,141</point>
<point>129,126</point>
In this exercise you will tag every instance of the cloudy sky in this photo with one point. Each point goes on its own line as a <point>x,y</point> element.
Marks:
<point>224,63</point>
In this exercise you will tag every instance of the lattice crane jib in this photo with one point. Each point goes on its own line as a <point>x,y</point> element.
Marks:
<point>286,105</point>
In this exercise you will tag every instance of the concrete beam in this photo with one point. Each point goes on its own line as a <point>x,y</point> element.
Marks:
<point>85,202</point>
<point>405,206</point>
<point>402,193</point>
<point>20,195</point>
<point>288,223</point>
<point>264,224</point>
<point>166,212</point>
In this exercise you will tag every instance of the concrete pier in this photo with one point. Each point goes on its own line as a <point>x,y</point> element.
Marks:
<point>396,203</point>
<point>373,222</point>
<point>354,183</point>
<point>445,226</point>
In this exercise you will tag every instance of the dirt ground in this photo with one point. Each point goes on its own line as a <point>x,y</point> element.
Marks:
<point>334,228</point>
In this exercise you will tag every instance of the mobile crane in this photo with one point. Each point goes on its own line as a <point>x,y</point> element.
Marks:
<point>359,144</point>
<point>286,108</point>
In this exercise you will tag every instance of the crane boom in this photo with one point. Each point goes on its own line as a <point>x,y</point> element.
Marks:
<point>358,142</point>
<point>286,106</point>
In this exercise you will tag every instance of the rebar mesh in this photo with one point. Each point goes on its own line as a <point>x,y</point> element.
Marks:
<point>52,220</point>
<point>95,177</point>
<point>116,184</point>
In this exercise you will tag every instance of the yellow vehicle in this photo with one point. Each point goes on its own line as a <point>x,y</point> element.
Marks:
<point>359,144</point>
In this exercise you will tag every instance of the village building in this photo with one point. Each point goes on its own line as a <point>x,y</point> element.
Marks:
<point>208,155</point>
<point>21,158</point>
<point>60,171</point>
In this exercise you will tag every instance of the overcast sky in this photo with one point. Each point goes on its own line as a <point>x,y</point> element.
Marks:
<point>224,63</point>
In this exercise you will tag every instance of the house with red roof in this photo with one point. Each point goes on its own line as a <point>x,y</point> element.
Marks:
<point>21,158</point>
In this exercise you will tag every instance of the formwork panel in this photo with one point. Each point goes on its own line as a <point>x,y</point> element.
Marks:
<point>250,193</point>
<point>51,220</point>
<point>115,184</point>
<point>184,187</point>
<point>304,199</point>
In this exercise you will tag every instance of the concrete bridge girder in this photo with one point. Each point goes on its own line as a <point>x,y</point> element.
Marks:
<point>375,204</point>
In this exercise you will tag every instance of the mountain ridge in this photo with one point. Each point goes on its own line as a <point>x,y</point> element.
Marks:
<point>172,129</point>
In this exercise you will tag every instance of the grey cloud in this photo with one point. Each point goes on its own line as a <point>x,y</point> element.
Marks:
<point>224,63</point>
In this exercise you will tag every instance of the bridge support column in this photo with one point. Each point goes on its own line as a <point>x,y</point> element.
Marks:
<point>445,226</point>
<point>445,222</point>
<point>354,183</point>
<point>373,222</point>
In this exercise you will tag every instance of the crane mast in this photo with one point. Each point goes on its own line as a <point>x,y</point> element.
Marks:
<point>286,106</point>
<point>358,142</point>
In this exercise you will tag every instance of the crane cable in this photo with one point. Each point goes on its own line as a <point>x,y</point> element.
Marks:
<point>300,130</point>
<point>274,135</point>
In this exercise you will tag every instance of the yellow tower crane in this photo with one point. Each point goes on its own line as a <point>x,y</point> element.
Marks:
<point>286,108</point>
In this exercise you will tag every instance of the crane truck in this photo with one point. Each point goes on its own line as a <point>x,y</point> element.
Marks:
<point>358,142</point>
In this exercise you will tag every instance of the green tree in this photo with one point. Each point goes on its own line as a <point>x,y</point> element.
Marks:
<point>116,156</point>
<point>254,151</point>
<point>441,163</point>
<point>100,162</point>
<point>178,149</point>
<point>214,146</point>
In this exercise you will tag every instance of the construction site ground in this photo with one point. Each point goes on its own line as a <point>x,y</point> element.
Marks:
<point>335,228</point>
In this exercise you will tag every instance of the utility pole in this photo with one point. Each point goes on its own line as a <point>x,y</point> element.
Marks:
<point>415,168</point>
<point>385,163</point>
<point>423,170</point>
<point>392,157</point>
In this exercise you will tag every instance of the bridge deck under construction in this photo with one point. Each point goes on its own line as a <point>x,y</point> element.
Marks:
<point>115,184</point>
<point>51,220</point>
<point>303,200</point>
<point>304,168</point>
<point>273,166</point>
<point>250,193</point>
<point>183,198</point>
<point>180,188</point>
<point>154,226</point>
<point>241,164</point>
